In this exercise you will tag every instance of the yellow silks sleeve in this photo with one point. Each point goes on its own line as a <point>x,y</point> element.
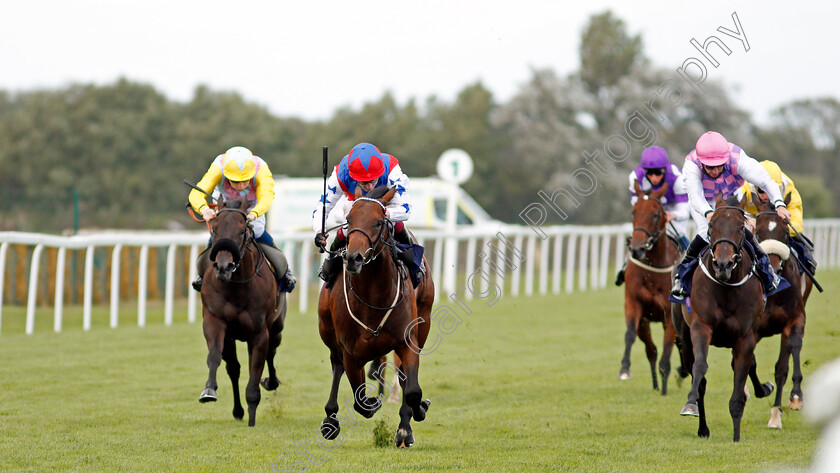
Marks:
<point>795,206</point>
<point>211,179</point>
<point>264,190</point>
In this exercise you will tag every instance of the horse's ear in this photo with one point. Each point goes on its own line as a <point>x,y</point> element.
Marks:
<point>638,188</point>
<point>718,199</point>
<point>659,192</point>
<point>358,192</point>
<point>388,196</point>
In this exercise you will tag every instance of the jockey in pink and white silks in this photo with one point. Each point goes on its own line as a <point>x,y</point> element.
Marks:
<point>367,168</point>
<point>718,166</point>
<point>656,170</point>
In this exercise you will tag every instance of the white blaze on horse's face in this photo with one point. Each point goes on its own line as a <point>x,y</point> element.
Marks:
<point>771,226</point>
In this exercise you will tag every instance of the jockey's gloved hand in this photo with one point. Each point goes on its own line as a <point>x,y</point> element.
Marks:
<point>321,240</point>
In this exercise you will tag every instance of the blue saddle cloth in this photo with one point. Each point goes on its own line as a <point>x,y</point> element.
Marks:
<point>763,270</point>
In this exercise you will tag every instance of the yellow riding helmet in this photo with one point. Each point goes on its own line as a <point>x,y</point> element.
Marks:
<point>238,164</point>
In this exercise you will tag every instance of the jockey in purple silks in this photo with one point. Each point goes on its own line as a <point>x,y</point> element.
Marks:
<point>656,170</point>
<point>718,166</point>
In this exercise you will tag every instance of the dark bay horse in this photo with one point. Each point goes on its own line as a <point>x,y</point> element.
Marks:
<point>240,302</point>
<point>648,283</point>
<point>373,309</point>
<point>784,312</point>
<point>726,304</point>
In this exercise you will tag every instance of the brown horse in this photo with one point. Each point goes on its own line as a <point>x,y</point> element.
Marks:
<point>240,302</point>
<point>726,304</point>
<point>373,309</point>
<point>648,283</point>
<point>784,312</point>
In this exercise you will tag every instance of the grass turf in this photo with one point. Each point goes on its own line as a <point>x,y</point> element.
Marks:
<point>528,384</point>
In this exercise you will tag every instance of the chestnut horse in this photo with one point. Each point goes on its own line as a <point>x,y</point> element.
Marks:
<point>371,310</point>
<point>726,304</point>
<point>648,283</point>
<point>241,302</point>
<point>784,312</point>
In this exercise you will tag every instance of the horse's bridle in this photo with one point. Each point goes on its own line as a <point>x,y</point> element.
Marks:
<point>248,235</point>
<point>738,246</point>
<point>652,237</point>
<point>382,239</point>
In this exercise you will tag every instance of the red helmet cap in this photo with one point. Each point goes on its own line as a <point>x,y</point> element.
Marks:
<point>365,163</point>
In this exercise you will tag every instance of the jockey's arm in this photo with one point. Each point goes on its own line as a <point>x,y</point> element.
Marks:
<point>264,190</point>
<point>399,208</point>
<point>327,202</point>
<point>680,208</point>
<point>693,185</point>
<point>755,174</point>
<point>633,197</point>
<point>794,206</point>
<point>211,179</point>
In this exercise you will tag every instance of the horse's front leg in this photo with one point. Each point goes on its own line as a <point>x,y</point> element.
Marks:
<point>701,336</point>
<point>412,406</point>
<point>364,405</point>
<point>743,359</point>
<point>761,389</point>
<point>650,349</point>
<point>214,334</point>
<point>667,347</point>
<point>257,350</point>
<point>632,315</point>
<point>232,366</point>
<point>330,427</point>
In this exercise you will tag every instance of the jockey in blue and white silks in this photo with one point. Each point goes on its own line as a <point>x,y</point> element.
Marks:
<point>367,168</point>
<point>714,167</point>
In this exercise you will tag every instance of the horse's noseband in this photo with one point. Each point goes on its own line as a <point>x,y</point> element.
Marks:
<point>227,244</point>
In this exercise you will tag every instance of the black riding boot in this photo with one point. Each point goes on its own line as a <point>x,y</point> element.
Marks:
<point>332,265</point>
<point>404,238</point>
<point>694,249</point>
<point>619,278</point>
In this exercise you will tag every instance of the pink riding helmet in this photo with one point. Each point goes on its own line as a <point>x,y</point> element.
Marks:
<point>712,149</point>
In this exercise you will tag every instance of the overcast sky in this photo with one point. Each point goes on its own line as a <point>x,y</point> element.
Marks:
<point>307,58</point>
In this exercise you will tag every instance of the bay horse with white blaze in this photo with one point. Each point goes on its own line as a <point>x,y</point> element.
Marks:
<point>648,283</point>
<point>371,310</point>
<point>784,312</point>
<point>241,302</point>
<point>726,304</point>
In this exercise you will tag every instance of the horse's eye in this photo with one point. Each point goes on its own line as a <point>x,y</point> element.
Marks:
<point>379,223</point>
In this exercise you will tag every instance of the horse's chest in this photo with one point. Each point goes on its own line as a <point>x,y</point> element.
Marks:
<point>238,318</point>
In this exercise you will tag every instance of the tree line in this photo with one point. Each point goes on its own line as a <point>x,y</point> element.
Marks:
<point>121,150</point>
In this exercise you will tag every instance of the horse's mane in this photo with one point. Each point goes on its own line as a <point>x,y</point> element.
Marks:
<point>378,192</point>
<point>233,203</point>
<point>732,201</point>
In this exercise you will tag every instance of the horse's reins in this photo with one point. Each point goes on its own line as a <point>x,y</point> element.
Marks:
<point>397,297</point>
<point>651,241</point>
<point>245,242</point>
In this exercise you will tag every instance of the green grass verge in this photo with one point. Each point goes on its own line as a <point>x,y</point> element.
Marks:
<point>529,384</point>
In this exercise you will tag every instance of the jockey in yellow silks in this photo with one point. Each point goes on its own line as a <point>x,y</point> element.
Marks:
<point>239,174</point>
<point>789,193</point>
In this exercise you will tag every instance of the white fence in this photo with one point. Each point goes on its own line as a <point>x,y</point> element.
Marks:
<point>514,257</point>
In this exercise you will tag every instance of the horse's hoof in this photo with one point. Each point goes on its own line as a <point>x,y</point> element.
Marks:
<point>775,418</point>
<point>624,376</point>
<point>690,410</point>
<point>404,438</point>
<point>330,428</point>
<point>420,412</point>
<point>238,413</point>
<point>766,389</point>
<point>208,395</point>
<point>270,384</point>
<point>366,412</point>
<point>795,402</point>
